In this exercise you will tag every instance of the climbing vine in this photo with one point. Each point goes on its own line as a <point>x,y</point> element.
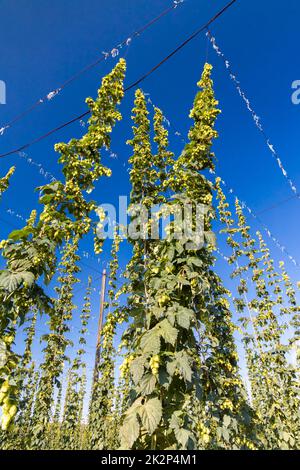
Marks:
<point>168,373</point>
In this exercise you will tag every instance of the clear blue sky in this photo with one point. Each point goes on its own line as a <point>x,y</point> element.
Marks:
<point>43,42</point>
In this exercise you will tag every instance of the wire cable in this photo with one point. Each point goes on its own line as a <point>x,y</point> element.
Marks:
<point>278,204</point>
<point>133,85</point>
<point>104,56</point>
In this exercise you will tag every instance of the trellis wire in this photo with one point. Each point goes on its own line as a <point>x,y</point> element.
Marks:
<point>255,117</point>
<point>115,51</point>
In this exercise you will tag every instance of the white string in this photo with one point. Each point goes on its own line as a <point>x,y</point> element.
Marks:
<point>111,153</point>
<point>3,129</point>
<point>88,255</point>
<point>84,254</point>
<point>52,94</point>
<point>114,52</point>
<point>165,120</point>
<point>225,258</point>
<point>42,171</point>
<point>15,214</point>
<point>255,117</point>
<point>281,247</point>
<point>177,3</point>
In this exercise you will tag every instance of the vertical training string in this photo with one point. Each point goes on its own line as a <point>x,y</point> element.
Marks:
<point>277,243</point>
<point>281,247</point>
<point>255,117</point>
<point>114,52</point>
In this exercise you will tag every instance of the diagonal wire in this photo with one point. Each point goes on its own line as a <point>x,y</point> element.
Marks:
<point>133,85</point>
<point>125,42</point>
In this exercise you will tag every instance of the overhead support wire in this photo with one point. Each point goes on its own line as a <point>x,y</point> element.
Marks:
<point>133,85</point>
<point>275,240</point>
<point>256,119</point>
<point>115,51</point>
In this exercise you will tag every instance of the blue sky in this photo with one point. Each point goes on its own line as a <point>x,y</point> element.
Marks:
<point>43,43</point>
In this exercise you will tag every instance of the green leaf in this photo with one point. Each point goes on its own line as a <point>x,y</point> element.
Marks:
<point>3,354</point>
<point>20,264</point>
<point>184,317</point>
<point>164,378</point>
<point>183,436</point>
<point>286,436</point>
<point>210,238</point>
<point>130,431</point>
<point>19,234</point>
<point>10,281</point>
<point>28,277</point>
<point>181,363</point>
<point>46,198</point>
<point>150,342</point>
<point>167,331</point>
<point>226,421</point>
<point>155,283</point>
<point>176,421</point>
<point>225,434</point>
<point>157,311</point>
<point>150,413</point>
<point>147,384</point>
<point>137,369</point>
<point>195,261</point>
<point>50,188</point>
<point>171,253</point>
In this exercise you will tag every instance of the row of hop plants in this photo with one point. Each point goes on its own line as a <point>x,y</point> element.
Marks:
<point>180,385</point>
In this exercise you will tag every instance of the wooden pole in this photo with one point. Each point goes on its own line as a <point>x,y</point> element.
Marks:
<point>100,326</point>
